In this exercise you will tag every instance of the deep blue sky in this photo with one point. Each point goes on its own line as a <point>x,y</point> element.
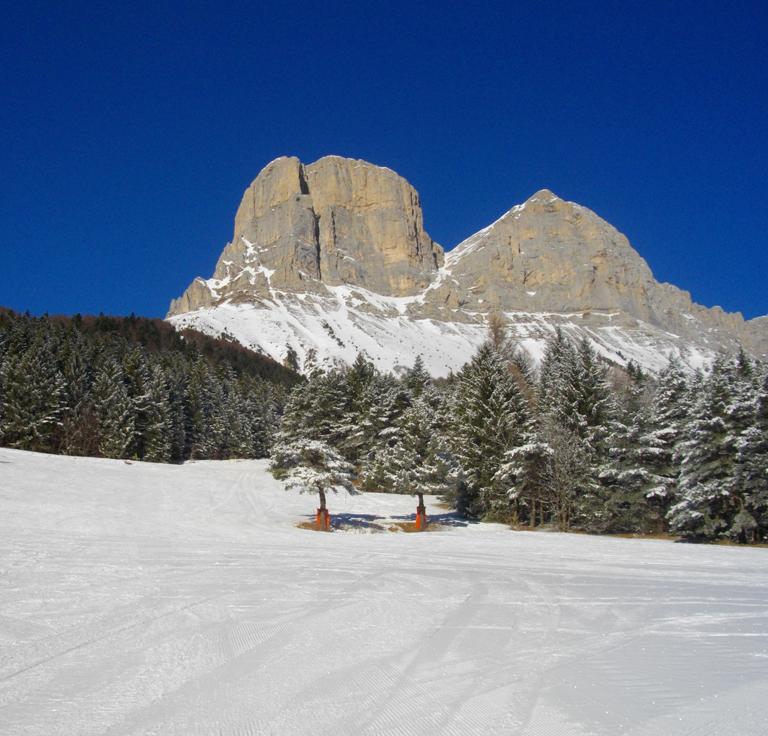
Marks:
<point>129,132</point>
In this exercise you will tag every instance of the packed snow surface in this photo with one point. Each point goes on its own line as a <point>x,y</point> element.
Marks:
<point>149,599</point>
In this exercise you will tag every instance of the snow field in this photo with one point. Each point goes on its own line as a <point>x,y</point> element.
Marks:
<point>156,599</point>
<point>358,321</point>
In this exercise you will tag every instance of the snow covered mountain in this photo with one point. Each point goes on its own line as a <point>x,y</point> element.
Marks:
<point>332,258</point>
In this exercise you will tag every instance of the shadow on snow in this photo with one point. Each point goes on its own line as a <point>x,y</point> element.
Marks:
<point>374,522</point>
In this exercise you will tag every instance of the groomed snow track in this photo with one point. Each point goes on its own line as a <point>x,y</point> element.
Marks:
<point>149,599</point>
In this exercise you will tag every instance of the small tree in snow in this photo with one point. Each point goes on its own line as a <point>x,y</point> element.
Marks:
<point>311,466</point>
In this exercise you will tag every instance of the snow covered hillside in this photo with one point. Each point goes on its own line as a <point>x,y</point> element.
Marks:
<point>158,599</point>
<point>354,320</point>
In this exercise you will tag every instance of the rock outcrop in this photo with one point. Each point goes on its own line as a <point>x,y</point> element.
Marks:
<point>344,240</point>
<point>336,221</point>
<point>549,255</point>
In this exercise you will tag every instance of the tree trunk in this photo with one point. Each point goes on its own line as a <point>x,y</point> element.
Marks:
<point>421,513</point>
<point>321,492</point>
<point>532,520</point>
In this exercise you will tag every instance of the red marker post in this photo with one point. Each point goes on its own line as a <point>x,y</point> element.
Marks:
<point>323,520</point>
<point>421,514</point>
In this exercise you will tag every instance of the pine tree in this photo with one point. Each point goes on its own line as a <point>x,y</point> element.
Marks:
<point>321,409</point>
<point>744,384</point>
<point>392,400</point>
<point>79,425</point>
<point>417,379</point>
<point>199,411</point>
<point>242,422</point>
<point>219,417</point>
<point>751,523</point>
<point>576,406</point>
<point>491,417</point>
<point>591,408</point>
<point>669,412</point>
<point>352,437</point>
<point>114,411</point>
<point>568,473</point>
<point>3,352</point>
<point>376,472</point>
<point>136,379</point>
<point>519,365</point>
<point>705,507</point>
<point>556,366</point>
<point>374,417</point>
<point>412,463</point>
<point>632,453</point>
<point>272,406</point>
<point>157,429</point>
<point>310,466</point>
<point>359,376</point>
<point>524,474</point>
<point>328,412</point>
<point>310,362</point>
<point>255,406</point>
<point>34,397</point>
<point>176,379</point>
<point>497,333</point>
<point>297,420</point>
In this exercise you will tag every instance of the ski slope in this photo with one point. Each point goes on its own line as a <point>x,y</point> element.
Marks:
<point>151,599</point>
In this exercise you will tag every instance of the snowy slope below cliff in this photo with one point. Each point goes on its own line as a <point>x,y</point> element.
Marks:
<point>182,600</point>
<point>391,333</point>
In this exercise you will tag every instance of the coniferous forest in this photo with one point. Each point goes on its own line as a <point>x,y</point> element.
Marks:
<point>134,388</point>
<point>576,445</point>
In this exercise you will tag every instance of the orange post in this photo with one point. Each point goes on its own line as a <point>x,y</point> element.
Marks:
<point>421,518</point>
<point>323,520</point>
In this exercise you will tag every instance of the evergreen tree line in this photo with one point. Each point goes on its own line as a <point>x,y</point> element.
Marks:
<point>127,389</point>
<point>578,444</point>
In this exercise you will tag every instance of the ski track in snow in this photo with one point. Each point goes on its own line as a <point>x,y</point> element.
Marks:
<point>150,599</point>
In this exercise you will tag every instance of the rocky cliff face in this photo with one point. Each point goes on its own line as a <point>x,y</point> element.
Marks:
<point>549,255</point>
<point>334,256</point>
<point>335,221</point>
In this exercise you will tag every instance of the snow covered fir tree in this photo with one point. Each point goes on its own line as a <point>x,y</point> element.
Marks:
<point>576,443</point>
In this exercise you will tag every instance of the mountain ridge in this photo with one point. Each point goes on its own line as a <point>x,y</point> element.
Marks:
<point>323,250</point>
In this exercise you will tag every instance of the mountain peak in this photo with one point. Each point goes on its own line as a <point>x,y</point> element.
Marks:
<point>543,195</point>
